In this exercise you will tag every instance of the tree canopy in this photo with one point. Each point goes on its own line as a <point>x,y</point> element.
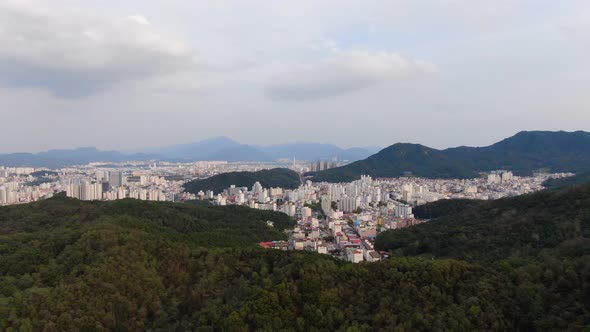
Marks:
<point>68,265</point>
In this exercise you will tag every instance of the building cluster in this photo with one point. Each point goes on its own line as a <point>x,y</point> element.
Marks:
<point>350,215</point>
<point>340,219</point>
<point>496,184</point>
<point>288,201</point>
<point>156,181</point>
<point>117,184</point>
<point>19,185</point>
<point>322,165</point>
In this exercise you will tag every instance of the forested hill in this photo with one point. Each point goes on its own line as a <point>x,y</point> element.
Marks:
<point>67,265</point>
<point>276,177</point>
<point>522,153</point>
<point>489,231</point>
<point>541,242</point>
<point>576,180</point>
<point>217,226</point>
<point>445,207</point>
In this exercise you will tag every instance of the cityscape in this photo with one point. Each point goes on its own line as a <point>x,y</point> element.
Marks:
<point>341,219</point>
<point>294,166</point>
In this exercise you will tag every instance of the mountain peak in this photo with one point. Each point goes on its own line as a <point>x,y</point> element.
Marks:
<point>523,153</point>
<point>218,140</point>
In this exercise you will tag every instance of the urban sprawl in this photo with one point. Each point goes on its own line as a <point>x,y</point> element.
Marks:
<point>341,219</point>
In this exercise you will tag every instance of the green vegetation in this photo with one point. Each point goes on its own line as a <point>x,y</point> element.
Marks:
<point>540,242</point>
<point>176,177</point>
<point>400,160</point>
<point>43,173</point>
<point>132,265</point>
<point>523,153</point>
<point>277,177</point>
<point>444,207</point>
<point>201,225</point>
<point>493,230</point>
<point>199,202</point>
<point>315,207</point>
<point>38,181</point>
<point>578,179</point>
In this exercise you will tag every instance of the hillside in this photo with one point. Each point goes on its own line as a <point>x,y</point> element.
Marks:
<point>201,225</point>
<point>445,207</point>
<point>576,180</point>
<point>487,231</point>
<point>201,150</point>
<point>276,177</point>
<point>540,241</point>
<point>224,148</point>
<point>131,265</point>
<point>522,153</point>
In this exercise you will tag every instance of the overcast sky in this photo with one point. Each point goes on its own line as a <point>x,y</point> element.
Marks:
<point>138,73</point>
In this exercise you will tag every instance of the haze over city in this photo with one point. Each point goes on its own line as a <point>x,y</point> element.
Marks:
<point>135,74</point>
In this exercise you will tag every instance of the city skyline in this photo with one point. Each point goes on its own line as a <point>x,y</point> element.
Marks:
<point>126,75</point>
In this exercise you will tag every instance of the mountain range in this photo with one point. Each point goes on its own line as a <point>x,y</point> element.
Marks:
<point>523,153</point>
<point>66,157</point>
<point>218,148</point>
<point>224,148</point>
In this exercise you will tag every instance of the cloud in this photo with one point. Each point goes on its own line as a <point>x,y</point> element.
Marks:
<point>577,30</point>
<point>343,73</point>
<point>72,55</point>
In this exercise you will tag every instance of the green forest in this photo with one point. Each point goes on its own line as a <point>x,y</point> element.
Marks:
<point>540,242</point>
<point>276,177</point>
<point>444,207</point>
<point>523,153</point>
<point>68,265</point>
<point>576,180</point>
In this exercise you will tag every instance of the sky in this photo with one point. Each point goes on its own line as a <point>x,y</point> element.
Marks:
<point>128,75</point>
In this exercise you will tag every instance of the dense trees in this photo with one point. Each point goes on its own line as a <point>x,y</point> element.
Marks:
<point>576,180</point>
<point>491,230</point>
<point>276,177</point>
<point>539,242</point>
<point>444,207</point>
<point>67,265</point>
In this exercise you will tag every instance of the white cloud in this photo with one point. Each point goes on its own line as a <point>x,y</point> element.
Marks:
<point>73,55</point>
<point>140,19</point>
<point>345,72</point>
<point>503,65</point>
<point>577,30</point>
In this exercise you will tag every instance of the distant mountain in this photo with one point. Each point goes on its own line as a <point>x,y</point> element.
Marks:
<point>224,148</point>
<point>241,152</point>
<point>314,151</point>
<point>276,177</point>
<point>522,153</point>
<point>63,158</point>
<point>217,148</point>
<point>202,150</point>
<point>305,151</point>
